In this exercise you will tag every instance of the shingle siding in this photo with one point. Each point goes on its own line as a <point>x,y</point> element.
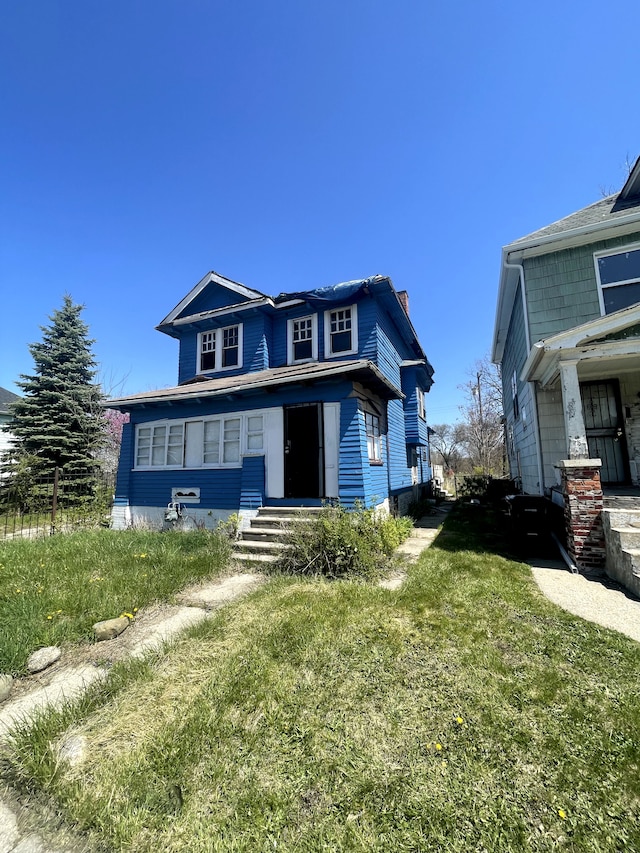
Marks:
<point>521,441</point>
<point>562,290</point>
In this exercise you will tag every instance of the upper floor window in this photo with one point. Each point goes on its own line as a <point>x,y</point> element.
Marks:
<point>220,349</point>
<point>341,331</point>
<point>302,339</point>
<point>618,278</point>
<point>421,409</point>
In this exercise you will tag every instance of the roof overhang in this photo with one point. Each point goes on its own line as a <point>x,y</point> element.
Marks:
<point>586,344</point>
<point>361,370</point>
<point>229,284</point>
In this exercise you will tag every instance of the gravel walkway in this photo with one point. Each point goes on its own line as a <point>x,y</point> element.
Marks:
<point>598,600</point>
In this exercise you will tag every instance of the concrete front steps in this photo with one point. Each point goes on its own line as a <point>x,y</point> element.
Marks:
<point>263,541</point>
<point>622,538</point>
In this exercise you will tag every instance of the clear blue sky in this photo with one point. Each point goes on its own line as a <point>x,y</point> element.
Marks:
<point>289,145</point>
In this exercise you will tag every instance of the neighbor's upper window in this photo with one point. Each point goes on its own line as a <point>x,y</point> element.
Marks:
<point>341,331</point>
<point>220,349</point>
<point>302,339</point>
<point>618,279</point>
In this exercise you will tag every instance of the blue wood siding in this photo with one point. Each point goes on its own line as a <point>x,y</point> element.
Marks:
<point>388,359</point>
<point>252,482</point>
<point>213,296</point>
<point>125,464</point>
<point>352,453</point>
<point>400,472</point>
<point>259,344</point>
<point>415,426</point>
<point>187,359</point>
<point>359,480</point>
<point>219,488</point>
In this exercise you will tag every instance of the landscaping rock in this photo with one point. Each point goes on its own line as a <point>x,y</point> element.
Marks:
<point>42,658</point>
<point>73,749</point>
<point>110,628</point>
<point>6,683</point>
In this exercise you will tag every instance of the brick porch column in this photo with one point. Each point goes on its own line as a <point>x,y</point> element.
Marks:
<point>583,512</point>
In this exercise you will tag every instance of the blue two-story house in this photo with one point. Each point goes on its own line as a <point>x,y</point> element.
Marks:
<point>294,400</point>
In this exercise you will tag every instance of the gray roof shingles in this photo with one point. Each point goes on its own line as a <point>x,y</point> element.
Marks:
<point>605,210</point>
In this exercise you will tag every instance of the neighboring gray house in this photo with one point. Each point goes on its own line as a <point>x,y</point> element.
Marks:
<point>6,398</point>
<point>567,337</point>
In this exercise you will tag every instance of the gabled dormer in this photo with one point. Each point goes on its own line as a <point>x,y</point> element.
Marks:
<point>222,328</point>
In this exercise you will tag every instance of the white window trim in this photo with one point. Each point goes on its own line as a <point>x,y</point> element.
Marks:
<point>608,253</point>
<point>244,440</point>
<point>314,339</point>
<point>167,422</point>
<point>327,332</point>
<point>422,411</point>
<point>218,350</point>
<point>376,440</point>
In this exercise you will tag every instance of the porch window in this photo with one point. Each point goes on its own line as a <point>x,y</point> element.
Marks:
<point>160,445</point>
<point>302,339</point>
<point>221,445</point>
<point>220,349</point>
<point>618,278</point>
<point>255,433</point>
<point>374,440</point>
<point>341,331</point>
<point>215,442</point>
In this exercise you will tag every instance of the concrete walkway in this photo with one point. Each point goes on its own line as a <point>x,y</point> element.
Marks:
<point>598,600</point>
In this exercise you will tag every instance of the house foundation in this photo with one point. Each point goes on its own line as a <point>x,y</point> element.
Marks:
<point>583,504</point>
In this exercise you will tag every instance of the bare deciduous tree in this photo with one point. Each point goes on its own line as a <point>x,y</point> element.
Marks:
<point>483,419</point>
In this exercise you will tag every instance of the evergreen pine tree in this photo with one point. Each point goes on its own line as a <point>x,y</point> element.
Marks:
<point>58,422</point>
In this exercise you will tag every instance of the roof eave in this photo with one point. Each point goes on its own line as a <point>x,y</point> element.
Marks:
<point>197,391</point>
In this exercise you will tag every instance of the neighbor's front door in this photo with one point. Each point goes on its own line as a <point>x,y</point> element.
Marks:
<point>303,456</point>
<point>604,427</point>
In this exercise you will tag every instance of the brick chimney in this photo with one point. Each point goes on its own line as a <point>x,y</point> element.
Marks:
<point>403,296</point>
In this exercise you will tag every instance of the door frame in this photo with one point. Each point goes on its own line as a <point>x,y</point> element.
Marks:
<point>316,450</point>
<point>614,383</point>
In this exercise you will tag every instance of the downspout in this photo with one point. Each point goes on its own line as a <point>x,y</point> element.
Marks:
<point>532,386</point>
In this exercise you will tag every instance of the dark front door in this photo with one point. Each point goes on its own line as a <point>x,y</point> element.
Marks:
<point>605,435</point>
<point>303,458</point>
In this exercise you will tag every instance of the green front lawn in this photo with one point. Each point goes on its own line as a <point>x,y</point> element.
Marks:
<point>463,712</point>
<point>54,589</point>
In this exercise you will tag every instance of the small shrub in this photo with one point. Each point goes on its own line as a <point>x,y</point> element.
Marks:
<point>343,543</point>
